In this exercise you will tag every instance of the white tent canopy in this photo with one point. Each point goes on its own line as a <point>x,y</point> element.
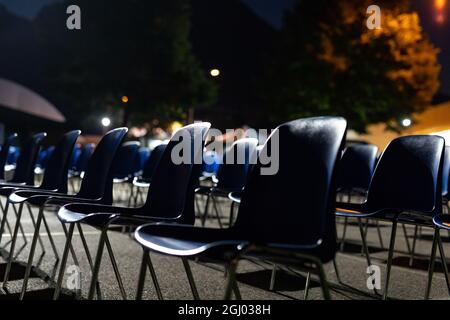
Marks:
<point>17,97</point>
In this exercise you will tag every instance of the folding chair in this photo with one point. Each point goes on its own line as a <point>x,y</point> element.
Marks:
<point>170,198</point>
<point>290,211</point>
<point>96,187</point>
<point>405,188</point>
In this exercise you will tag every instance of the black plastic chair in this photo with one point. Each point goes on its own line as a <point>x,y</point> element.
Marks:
<point>54,180</point>
<point>23,172</point>
<point>96,187</point>
<point>355,172</point>
<point>231,177</point>
<point>288,214</point>
<point>405,188</point>
<point>4,153</point>
<point>446,179</point>
<point>123,168</point>
<point>150,166</point>
<point>80,165</point>
<point>170,198</point>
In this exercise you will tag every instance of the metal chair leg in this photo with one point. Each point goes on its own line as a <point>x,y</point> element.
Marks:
<point>63,262</point>
<point>431,265</point>
<point>31,254</point>
<point>13,245</point>
<point>380,238</point>
<point>24,237</point>
<point>142,273</point>
<point>33,221</point>
<point>4,220</point>
<point>323,282</point>
<point>413,248</point>
<point>98,261</point>
<point>89,257</point>
<point>364,243</point>
<point>443,260</point>
<point>154,278</point>
<point>231,214</point>
<point>214,201</point>
<point>405,233</point>
<point>205,213</point>
<point>115,268</point>
<point>231,285</point>
<point>338,276</point>
<point>72,251</point>
<point>308,281</point>
<point>188,270</point>
<point>390,256</point>
<point>343,234</point>
<point>273,278</point>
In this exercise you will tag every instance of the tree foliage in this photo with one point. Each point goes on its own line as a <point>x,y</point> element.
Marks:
<point>136,48</point>
<point>329,62</point>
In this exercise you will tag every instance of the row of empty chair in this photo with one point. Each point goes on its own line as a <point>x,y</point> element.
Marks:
<point>287,218</point>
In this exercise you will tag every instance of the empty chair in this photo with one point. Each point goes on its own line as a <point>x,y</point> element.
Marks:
<point>79,166</point>
<point>54,180</point>
<point>43,157</point>
<point>405,188</point>
<point>355,172</point>
<point>356,168</point>
<point>170,198</point>
<point>446,179</point>
<point>96,187</point>
<point>140,161</point>
<point>286,217</point>
<point>5,152</point>
<point>123,167</point>
<point>230,176</point>
<point>150,166</point>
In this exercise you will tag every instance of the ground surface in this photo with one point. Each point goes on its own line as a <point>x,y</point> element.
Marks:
<point>254,278</point>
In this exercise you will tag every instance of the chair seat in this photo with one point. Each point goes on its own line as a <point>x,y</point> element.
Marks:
<point>188,241</point>
<point>142,182</point>
<point>235,196</point>
<point>442,221</point>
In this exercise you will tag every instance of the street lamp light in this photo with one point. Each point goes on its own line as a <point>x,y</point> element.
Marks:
<point>106,122</point>
<point>214,72</point>
<point>125,99</point>
<point>406,122</point>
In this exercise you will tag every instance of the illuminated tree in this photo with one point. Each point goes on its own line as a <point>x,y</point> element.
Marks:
<point>330,63</point>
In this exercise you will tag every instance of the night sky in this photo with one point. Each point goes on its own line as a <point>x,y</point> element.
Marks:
<point>272,12</point>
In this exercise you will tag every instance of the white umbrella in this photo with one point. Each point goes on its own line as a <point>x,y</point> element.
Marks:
<point>17,97</point>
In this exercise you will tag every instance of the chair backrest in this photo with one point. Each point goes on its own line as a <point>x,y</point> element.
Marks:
<point>83,159</point>
<point>356,167</point>
<point>296,205</point>
<point>75,155</point>
<point>97,180</point>
<point>140,161</point>
<point>446,173</point>
<point>211,162</point>
<point>408,176</point>
<point>57,166</point>
<point>123,166</point>
<point>4,153</point>
<point>152,162</point>
<point>171,194</point>
<point>233,176</point>
<point>27,160</point>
